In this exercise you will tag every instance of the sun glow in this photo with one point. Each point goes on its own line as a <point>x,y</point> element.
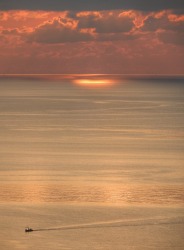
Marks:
<point>94,82</point>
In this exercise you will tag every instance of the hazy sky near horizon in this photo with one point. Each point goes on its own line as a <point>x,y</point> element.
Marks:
<point>82,36</point>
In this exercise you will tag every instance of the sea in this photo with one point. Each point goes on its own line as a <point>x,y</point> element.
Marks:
<point>92,162</point>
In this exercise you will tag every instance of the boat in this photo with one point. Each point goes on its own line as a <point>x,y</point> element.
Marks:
<point>28,229</point>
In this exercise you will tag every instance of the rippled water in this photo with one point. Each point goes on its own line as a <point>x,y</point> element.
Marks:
<point>65,143</point>
<point>117,194</point>
<point>117,143</point>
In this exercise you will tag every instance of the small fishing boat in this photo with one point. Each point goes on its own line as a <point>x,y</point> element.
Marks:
<point>28,229</point>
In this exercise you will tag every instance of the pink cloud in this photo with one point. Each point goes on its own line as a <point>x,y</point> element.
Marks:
<point>163,21</point>
<point>106,22</point>
<point>59,30</point>
<point>171,37</point>
<point>93,26</point>
<point>91,42</point>
<point>84,27</point>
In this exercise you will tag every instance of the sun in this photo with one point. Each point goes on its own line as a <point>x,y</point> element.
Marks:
<point>86,82</point>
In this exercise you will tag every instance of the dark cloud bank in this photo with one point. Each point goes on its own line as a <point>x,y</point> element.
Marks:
<point>81,5</point>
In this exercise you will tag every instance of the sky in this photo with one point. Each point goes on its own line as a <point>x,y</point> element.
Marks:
<point>91,37</point>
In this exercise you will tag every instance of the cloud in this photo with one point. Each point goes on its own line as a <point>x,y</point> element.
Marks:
<point>84,26</point>
<point>10,32</point>
<point>81,5</point>
<point>59,30</point>
<point>71,27</point>
<point>119,56</point>
<point>106,22</point>
<point>163,20</point>
<point>171,37</point>
<point>91,42</point>
<point>167,26</point>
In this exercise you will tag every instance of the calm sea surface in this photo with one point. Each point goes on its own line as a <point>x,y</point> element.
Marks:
<point>91,166</point>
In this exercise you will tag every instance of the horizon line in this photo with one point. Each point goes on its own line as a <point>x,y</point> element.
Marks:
<point>30,74</point>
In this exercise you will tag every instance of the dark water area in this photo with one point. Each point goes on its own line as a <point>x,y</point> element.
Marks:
<point>100,147</point>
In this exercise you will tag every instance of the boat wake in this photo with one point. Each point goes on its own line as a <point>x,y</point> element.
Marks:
<point>120,223</point>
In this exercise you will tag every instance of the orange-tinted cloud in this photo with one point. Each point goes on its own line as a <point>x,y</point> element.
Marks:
<point>106,22</point>
<point>91,42</point>
<point>163,21</point>
<point>84,27</point>
<point>88,26</point>
<point>59,30</point>
<point>171,37</point>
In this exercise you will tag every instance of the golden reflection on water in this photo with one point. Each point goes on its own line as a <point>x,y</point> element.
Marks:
<point>113,194</point>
